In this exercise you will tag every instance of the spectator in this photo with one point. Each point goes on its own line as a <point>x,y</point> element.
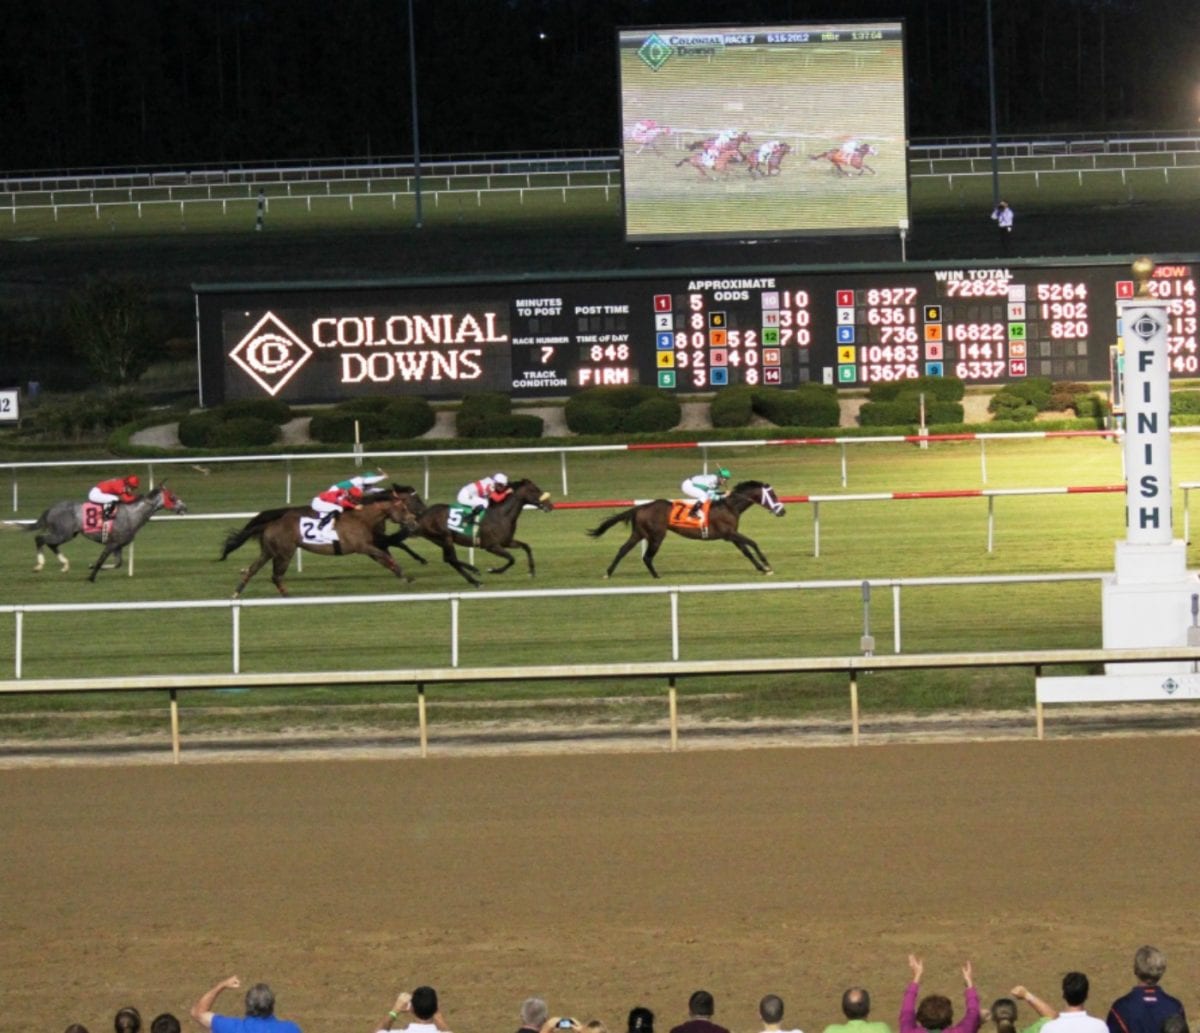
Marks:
<point>641,1020</point>
<point>75,1027</point>
<point>1074,1018</point>
<point>935,1012</point>
<point>1004,1012</point>
<point>1003,216</point>
<point>700,1013</point>
<point>165,1023</point>
<point>770,1010</point>
<point>595,1026</point>
<point>127,1020</point>
<point>856,1006</point>
<point>260,1011</point>
<point>533,1014</point>
<point>422,1003</point>
<point>1147,1005</point>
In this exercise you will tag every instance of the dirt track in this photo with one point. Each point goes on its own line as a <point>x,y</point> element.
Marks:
<point>600,880</point>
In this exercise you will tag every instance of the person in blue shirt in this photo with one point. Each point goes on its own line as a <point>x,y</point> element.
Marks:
<point>260,1011</point>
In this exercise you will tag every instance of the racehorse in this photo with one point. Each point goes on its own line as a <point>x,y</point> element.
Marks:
<point>766,160</point>
<point>646,133</point>
<point>279,534</point>
<point>716,154</point>
<point>439,523</point>
<point>651,521</point>
<point>64,520</point>
<point>854,157</point>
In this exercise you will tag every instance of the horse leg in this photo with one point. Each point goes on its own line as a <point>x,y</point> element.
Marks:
<point>504,554</point>
<point>528,553</point>
<point>653,543</point>
<point>746,545</point>
<point>248,573</point>
<point>451,557</point>
<point>381,557</point>
<point>279,566</point>
<point>116,558</point>
<point>397,540</point>
<point>104,554</point>
<point>622,552</point>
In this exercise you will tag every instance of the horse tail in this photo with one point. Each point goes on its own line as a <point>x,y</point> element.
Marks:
<point>40,524</point>
<point>682,162</point>
<point>623,517</point>
<point>236,539</point>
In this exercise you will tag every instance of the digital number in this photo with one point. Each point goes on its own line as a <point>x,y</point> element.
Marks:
<point>878,353</point>
<point>1069,330</point>
<point>889,373</point>
<point>1185,364</point>
<point>898,334</point>
<point>1064,310</point>
<point>977,289</point>
<point>891,316</point>
<point>1061,291</point>
<point>891,295</point>
<point>980,370</point>
<point>611,352</point>
<point>547,353</point>
<point>696,302</point>
<point>981,350</point>
<point>976,332</point>
<point>1172,288</point>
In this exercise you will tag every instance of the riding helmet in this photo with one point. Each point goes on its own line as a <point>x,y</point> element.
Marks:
<point>501,479</point>
<point>132,481</point>
<point>723,472</point>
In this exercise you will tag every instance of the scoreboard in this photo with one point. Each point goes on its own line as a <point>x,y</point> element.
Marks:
<point>678,331</point>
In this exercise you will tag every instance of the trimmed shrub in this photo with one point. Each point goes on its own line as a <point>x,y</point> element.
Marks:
<point>336,427</point>
<point>479,413</point>
<point>88,415</point>
<point>1011,407</point>
<point>591,416</point>
<point>946,389</point>
<point>941,412</point>
<point>657,413</point>
<point>244,432</point>
<point>905,409</point>
<point>1091,406</point>
<point>1035,391</point>
<point>406,416</point>
<point>609,410</point>
<point>812,405</point>
<point>733,407</point>
<point>196,429</point>
<point>271,409</point>
<point>511,425</point>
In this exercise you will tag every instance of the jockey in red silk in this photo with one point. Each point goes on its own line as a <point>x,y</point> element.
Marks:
<point>119,489</point>
<point>334,500</point>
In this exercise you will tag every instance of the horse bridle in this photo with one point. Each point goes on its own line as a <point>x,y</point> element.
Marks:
<point>770,501</point>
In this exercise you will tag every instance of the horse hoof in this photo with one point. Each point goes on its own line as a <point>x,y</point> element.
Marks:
<point>409,580</point>
<point>768,570</point>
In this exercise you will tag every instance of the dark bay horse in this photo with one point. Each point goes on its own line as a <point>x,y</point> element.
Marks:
<point>494,533</point>
<point>64,520</point>
<point>361,530</point>
<point>651,521</point>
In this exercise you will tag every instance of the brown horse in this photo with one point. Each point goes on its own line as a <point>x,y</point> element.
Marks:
<point>439,523</point>
<point>361,530</point>
<point>651,521</point>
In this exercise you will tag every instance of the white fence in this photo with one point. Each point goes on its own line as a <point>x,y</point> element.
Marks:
<point>706,449</point>
<point>455,600</point>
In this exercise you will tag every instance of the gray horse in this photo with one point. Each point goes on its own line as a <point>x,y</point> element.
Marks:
<point>64,520</point>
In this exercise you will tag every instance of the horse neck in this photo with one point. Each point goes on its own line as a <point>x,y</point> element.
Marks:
<point>739,503</point>
<point>144,508</point>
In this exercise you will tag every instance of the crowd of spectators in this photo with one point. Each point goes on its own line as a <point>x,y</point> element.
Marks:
<point>1147,1008</point>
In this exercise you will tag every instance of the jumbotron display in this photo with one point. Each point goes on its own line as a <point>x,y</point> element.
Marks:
<point>751,131</point>
<point>686,332</point>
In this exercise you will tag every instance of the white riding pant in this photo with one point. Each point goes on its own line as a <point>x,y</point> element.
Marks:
<point>102,497</point>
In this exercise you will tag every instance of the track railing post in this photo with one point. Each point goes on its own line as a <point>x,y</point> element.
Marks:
<point>673,715</point>
<point>422,723</point>
<point>236,646</point>
<point>175,725</point>
<point>454,631</point>
<point>19,642</point>
<point>853,708</point>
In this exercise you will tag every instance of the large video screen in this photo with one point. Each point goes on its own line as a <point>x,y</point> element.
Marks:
<point>753,131</point>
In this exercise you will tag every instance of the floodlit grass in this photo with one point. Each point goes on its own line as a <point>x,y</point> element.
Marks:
<point>176,559</point>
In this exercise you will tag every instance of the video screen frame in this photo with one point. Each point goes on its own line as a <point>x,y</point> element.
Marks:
<point>763,131</point>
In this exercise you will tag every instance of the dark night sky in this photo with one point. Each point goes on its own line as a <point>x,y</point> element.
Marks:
<point>122,82</point>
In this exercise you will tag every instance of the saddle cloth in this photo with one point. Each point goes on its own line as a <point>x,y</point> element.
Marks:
<point>313,534</point>
<point>681,514</point>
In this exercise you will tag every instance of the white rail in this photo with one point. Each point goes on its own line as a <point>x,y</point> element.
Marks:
<point>455,600</point>
<point>563,451</point>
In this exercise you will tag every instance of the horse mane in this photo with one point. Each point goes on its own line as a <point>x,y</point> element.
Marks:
<point>748,486</point>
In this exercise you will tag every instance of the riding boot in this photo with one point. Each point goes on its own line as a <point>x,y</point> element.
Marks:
<point>697,509</point>
<point>324,521</point>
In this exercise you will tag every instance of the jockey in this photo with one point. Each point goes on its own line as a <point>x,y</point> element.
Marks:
<point>848,148</point>
<point>705,487</point>
<point>360,481</point>
<point>482,493</point>
<point>725,137</point>
<point>334,500</point>
<point>766,151</point>
<point>119,489</point>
